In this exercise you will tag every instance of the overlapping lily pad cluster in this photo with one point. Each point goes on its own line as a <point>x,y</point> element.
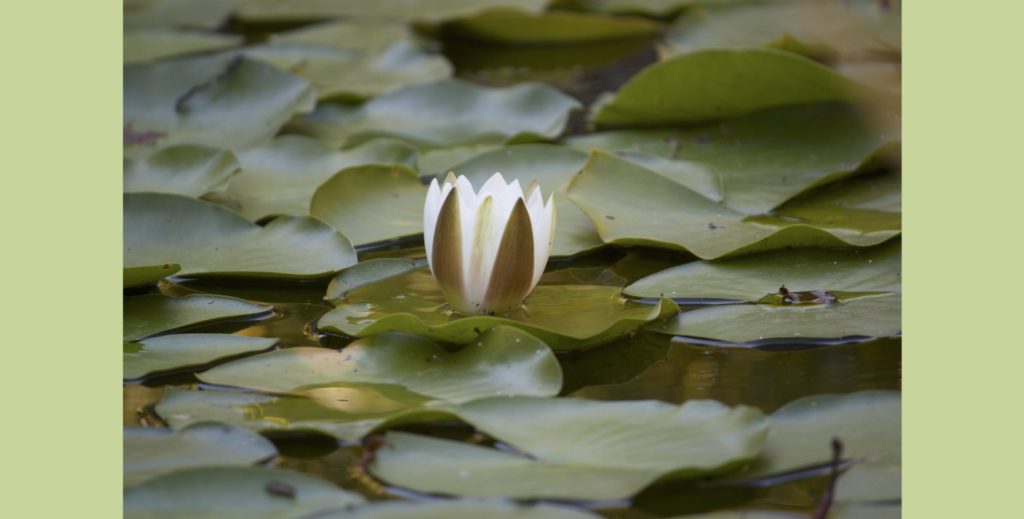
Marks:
<point>276,292</point>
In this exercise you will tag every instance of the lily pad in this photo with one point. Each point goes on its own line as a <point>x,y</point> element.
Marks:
<point>574,232</point>
<point>210,240</point>
<point>151,314</point>
<point>438,162</point>
<point>751,277</point>
<point>233,493</point>
<point>153,44</point>
<point>148,274</point>
<point>281,177</point>
<point>172,352</point>
<point>362,35</point>
<point>407,10</point>
<point>562,316</point>
<point>366,272</point>
<point>763,159</point>
<point>446,113</point>
<point>870,316</point>
<point>354,75</point>
<point>505,361</point>
<point>222,101</point>
<point>659,8</point>
<point>575,448</point>
<point>457,509</point>
<point>188,170</point>
<point>562,27</point>
<point>150,452</point>
<point>719,83</point>
<point>372,203</point>
<point>200,14</point>
<point>611,188</point>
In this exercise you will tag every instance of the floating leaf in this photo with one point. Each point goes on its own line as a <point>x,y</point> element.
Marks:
<point>446,113</point>
<point>439,161</point>
<point>221,101</point>
<point>610,189</point>
<point>354,75</point>
<point>366,272</point>
<point>171,352</point>
<point>362,35</point>
<point>151,314</point>
<point>148,274</point>
<point>233,493</point>
<point>877,316</point>
<point>866,511</point>
<point>188,170</point>
<point>150,452</point>
<point>719,83</point>
<point>659,8</point>
<point>505,361</point>
<point>867,482</point>
<point>408,10</point>
<point>751,277</point>
<point>209,240</point>
<point>201,14</point>
<point>153,44</point>
<point>515,27</point>
<point>281,177</point>
<point>563,316</point>
<point>457,509</point>
<point>577,449</point>
<point>372,203</point>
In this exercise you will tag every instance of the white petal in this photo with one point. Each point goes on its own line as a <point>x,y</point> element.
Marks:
<point>543,237</point>
<point>431,206</point>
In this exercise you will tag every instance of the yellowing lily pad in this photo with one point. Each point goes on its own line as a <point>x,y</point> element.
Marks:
<point>189,170</point>
<point>563,316</point>
<point>171,352</point>
<point>372,203</point>
<point>151,314</point>
<point>445,113</point>
<point>507,26</point>
<point>210,240</point>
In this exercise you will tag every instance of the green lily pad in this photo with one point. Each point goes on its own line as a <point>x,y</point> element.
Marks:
<point>366,272</point>
<point>870,482</point>
<point>151,314</point>
<point>445,113</point>
<point>719,83</point>
<point>210,240</point>
<point>372,203</point>
<point>659,8</point>
<point>281,177</point>
<point>871,316</point>
<point>199,14</point>
<point>577,449</point>
<point>518,27</point>
<point>222,101</point>
<point>457,509</point>
<point>751,277</point>
<point>233,493</point>
<point>832,29</point>
<point>345,412</point>
<point>148,274</point>
<point>562,316</point>
<point>171,352</point>
<point>153,44</point>
<point>505,361</point>
<point>763,159</point>
<point>439,161</point>
<point>610,189</point>
<point>188,170</point>
<point>408,10</point>
<point>866,511</point>
<point>150,452</point>
<point>353,75</point>
<point>362,35</point>
<point>574,232</point>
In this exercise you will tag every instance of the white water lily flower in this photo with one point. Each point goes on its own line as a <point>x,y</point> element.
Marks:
<point>487,249</point>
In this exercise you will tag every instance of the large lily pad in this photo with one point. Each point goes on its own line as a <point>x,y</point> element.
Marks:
<point>143,275</point>
<point>406,10</point>
<point>719,83</point>
<point>233,493</point>
<point>446,113</point>
<point>210,240</point>
<point>372,203</point>
<point>610,189</point>
<point>505,361</point>
<point>152,44</point>
<point>763,159</point>
<point>151,314</point>
<point>172,352</point>
<point>281,177</point>
<point>870,316</point>
<point>515,27</point>
<point>353,75</point>
<point>457,509</point>
<point>200,14</point>
<point>222,101</point>
<point>361,35</point>
<point>150,452</point>
<point>563,316</point>
<point>752,277</point>
<point>189,170</point>
<point>576,448</point>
